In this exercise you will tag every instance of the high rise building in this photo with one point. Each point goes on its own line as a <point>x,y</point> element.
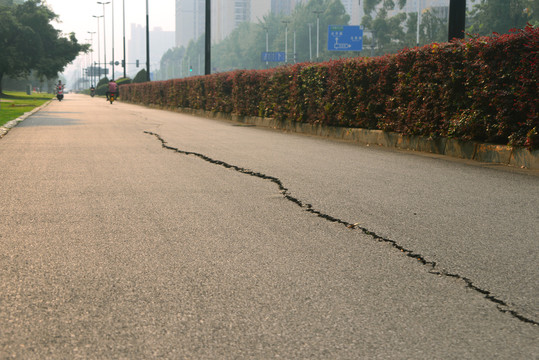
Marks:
<point>242,11</point>
<point>281,6</point>
<point>259,9</point>
<point>354,10</point>
<point>284,6</point>
<point>190,20</point>
<point>411,5</point>
<point>226,16</point>
<point>160,42</point>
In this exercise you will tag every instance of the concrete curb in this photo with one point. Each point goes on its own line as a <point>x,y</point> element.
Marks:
<point>489,153</point>
<point>11,124</point>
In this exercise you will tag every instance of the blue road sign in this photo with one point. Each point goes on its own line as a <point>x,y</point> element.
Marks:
<point>275,56</point>
<point>345,38</point>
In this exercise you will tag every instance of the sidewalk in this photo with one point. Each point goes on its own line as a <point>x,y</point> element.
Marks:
<point>10,124</point>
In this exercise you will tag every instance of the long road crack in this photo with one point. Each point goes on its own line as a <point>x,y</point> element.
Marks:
<point>433,267</point>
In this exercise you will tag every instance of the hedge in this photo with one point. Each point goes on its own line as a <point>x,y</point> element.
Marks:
<point>482,89</point>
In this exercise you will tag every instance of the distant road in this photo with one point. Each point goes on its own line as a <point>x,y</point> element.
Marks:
<point>128,232</point>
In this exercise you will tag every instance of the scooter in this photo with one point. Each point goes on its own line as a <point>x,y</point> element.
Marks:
<point>92,92</point>
<point>112,97</point>
<point>60,94</point>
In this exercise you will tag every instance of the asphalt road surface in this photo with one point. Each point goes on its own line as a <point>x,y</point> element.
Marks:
<point>135,233</point>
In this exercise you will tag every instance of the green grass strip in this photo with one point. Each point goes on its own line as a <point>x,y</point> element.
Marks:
<point>14,104</point>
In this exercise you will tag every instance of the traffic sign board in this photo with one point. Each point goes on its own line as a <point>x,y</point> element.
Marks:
<point>345,38</point>
<point>275,56</point>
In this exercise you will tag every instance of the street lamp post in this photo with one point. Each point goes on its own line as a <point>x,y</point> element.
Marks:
<point>98,47</point>
<point>104,35</point>
<point>147,43</point>
<point>87,78</point>
<point>373,42</point>
<point>317,12</point>
<point>457,19</point>
<point>286,22</point>
<point>207,54</point>
<point>267,43</point>
<point>418,22</point>
<point>310,43</point>
<point>125,60</point>
<point>113,60</point>
<point>295,47</point>
<point>92,57</point>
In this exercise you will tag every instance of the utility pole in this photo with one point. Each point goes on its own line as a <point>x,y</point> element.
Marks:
<point>113,60</point>
<point>267,44</point>
<point>207,55</point>
<point>104,35</point>
<point>286,22</point>
<point>418,22</point>
<point>457,19</point>
<point>125,60</point>
<point>92,74</point>
<point>295,47</point>
<point>310,43</point>
<point>317,12</point>
<point>147,42</point>
<point>98,48</point>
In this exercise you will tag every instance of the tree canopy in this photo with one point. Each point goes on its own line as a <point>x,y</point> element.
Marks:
<point>30,42</point>
<point>500,16</point>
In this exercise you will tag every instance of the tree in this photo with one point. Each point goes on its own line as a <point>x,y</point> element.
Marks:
<point>500,16</point>
<point>243,47</point>
<point>170,64</point>
<point>10,2</point>
<point>140,77</point>
<point>334,13</point>
<point>386,32</point>
<point>194,55</point>
<point>433,28</point>
<point>29,42</point>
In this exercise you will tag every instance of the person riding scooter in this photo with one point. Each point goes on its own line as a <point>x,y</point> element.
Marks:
<point>113,89</point>
<point>92,91</point>
<point>60,90</point>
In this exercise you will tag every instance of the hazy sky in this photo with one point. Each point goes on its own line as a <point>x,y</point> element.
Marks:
<point>76,16</point>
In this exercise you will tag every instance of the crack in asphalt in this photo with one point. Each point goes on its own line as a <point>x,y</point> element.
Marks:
<point>500,304</point>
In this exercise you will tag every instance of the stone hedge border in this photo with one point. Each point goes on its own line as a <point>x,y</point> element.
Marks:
<point>471,150</point>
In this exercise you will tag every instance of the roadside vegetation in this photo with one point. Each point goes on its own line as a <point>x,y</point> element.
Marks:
<point>481,89</point>
<point>30,44</point>
<point>15,104</point>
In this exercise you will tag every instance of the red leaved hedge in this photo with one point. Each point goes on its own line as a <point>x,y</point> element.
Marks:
<point>482,89</point>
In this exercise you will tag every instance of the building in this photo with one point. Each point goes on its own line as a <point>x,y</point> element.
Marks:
<point>354,10</point>
<point>242,11</point>
<point>160,42</point>
<point>226,16</point>
<point>281,6</point>
<point>259,9</point>
<point>412,5</point>
<point>285,6</point>
<point>190,20</point>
